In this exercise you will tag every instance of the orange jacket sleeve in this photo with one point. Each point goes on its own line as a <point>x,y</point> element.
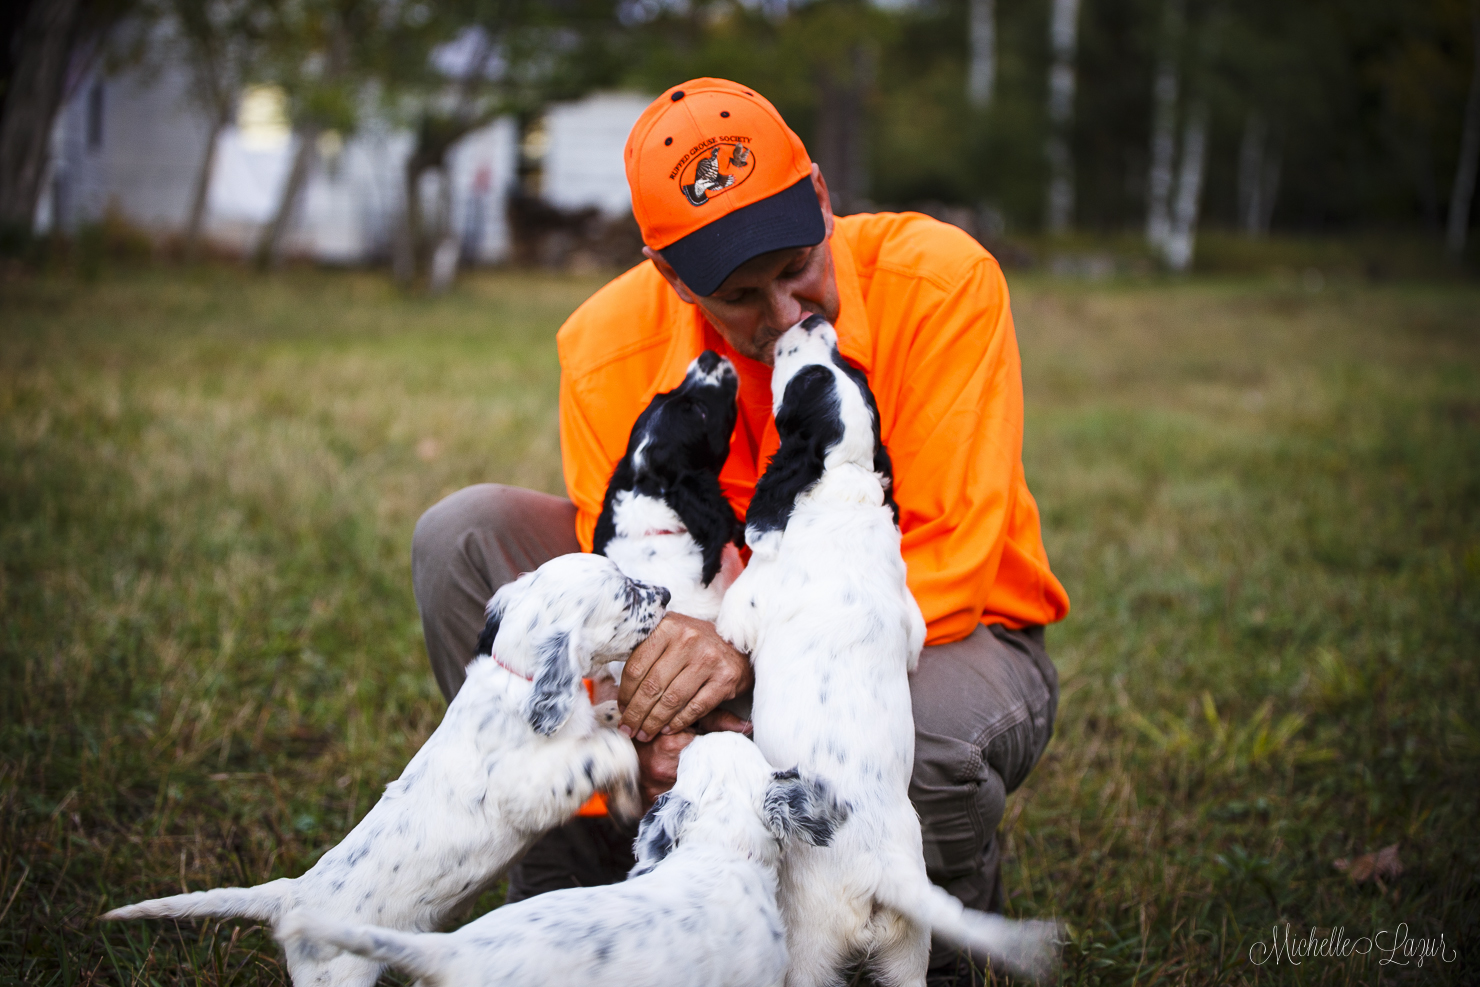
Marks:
<point>956,443</point>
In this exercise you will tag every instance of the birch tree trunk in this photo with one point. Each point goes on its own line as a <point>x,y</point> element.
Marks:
<point>1251,174</point>
<point>1269,187</point>
<point>981,79</point>
<point>1463,191</point>
<point>1063,37</point>
<point>269,252</point>
<point>1182,236</point>
<point>198,201</point>
<point>1164,128</point>
<point>31,104</point>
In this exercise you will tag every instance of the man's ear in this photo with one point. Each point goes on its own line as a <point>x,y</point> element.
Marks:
<point>555,682</point>
<point>824,200</point>
<point>670,275</point>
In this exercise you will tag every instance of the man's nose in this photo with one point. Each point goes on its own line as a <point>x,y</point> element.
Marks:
<point>783,309</point>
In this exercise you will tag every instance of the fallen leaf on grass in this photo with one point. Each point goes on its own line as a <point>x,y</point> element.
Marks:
<point>1375,866</point>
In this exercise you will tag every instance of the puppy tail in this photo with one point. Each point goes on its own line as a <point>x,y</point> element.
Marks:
<point>314,938</point>
<point>1027,948</point>
<point>264,903</point>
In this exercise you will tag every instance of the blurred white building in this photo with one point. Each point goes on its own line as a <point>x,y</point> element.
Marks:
<point>134,143</point>
<point>583,156</point>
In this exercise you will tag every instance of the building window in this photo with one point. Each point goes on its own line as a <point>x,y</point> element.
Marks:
<point>95,116</point>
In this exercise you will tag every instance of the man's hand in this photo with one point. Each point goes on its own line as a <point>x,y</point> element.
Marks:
<point>657,759</point>
<point>680,673</point>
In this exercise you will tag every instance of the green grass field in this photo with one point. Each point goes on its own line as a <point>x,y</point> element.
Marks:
<point>1265,504</point>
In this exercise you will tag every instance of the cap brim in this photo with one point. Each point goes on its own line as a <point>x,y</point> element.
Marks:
<point>790,218</point>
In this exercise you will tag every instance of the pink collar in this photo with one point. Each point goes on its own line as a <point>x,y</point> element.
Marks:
<point>511,671</point>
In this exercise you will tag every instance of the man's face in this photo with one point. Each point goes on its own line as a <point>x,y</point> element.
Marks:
<point>770,293</point>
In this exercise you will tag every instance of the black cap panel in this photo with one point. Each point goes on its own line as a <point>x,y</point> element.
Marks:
<point>790,218</point>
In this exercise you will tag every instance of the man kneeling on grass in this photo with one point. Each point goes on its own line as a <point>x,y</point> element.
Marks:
<point>741,244</point>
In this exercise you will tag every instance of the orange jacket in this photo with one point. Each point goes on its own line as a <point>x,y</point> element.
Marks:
<point>924,312</point>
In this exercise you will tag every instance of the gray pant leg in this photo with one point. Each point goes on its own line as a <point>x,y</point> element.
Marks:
<point>468,545</point>
<point>984,709</point>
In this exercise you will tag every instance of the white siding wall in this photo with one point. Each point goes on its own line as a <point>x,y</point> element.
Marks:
<point>583,165</point>
<point>153,137</point>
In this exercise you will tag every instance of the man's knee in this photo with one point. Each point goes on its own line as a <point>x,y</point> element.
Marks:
<point>960,800</point>
<point>481,507</point>
<point>464,548</point>
<point>983,712</point>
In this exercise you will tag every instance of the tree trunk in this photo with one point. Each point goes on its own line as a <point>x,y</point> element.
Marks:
<point>1063,35</point>
<point>31,104</point>
<point>269,252</point>
<point>1182,236</point>
<point>405,256</point>
<point>981,80</point>
<point>1164,129</point>
<point>446,248</point>
<point>199,200</point>
<point>1469,151</point>
<point>1269,187</point>
<point>1251,174</point>
<point>840,149</point>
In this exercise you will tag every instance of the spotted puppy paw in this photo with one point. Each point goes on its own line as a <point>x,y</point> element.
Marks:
<point>607,714</point>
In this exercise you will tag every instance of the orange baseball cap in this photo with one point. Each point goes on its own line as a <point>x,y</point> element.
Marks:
<point>717,178</point>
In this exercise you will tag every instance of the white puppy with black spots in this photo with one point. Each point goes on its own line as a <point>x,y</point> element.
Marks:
<point>832,629</point>
<point>698,909</point>
<point>519,750</point>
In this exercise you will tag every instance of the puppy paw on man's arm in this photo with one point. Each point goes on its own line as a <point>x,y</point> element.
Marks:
<point>679,674</point>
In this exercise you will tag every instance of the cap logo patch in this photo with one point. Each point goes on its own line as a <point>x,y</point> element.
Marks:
<point>712,167</point>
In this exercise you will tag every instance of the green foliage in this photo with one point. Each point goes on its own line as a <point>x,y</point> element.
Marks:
<point>1364,100</point>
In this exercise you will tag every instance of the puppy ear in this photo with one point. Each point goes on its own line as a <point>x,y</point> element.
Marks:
<point>555,683</point>
<point>658,833</point>
<point>882,464</point>
<point>808,425</point>
<point>623,478</point>
<point>701,505</point>
<point>495,611</point>
<point>799,808</point>
<point>885,468</point>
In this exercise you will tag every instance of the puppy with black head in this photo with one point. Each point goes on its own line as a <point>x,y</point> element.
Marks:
<point>665,519</point>
<point>833,631</point>
<point>518,751</point>
<point>698,908</point>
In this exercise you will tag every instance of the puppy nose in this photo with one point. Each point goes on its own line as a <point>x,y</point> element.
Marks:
<point>663,595</point>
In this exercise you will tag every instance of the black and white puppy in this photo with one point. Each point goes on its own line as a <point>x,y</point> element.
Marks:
<point>665,520</point>
<point>519,750</point>
<point>699,907</point>
<point>832,629</point>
